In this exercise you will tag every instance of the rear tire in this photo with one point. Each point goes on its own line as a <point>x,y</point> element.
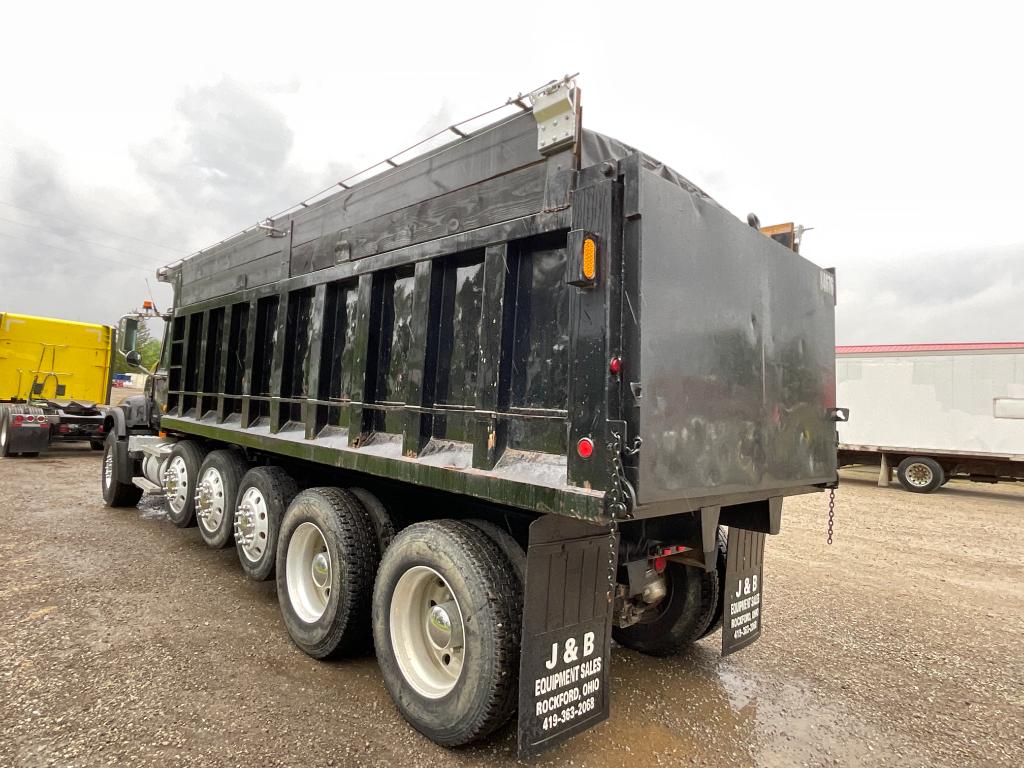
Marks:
<point>180,476</point>
<point>217,488</point>
<point>507,543</point>
<point>264,494</point>
<point>383,526</point>
<point>920,474</point>
<point>326,558</point>
<point>116,492</point>
<point>447,595</point>
<point>680,619</point>
<point>719,593</point>
<point>5,433</point>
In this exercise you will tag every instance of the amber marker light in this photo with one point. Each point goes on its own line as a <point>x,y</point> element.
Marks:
<point>589,266</point>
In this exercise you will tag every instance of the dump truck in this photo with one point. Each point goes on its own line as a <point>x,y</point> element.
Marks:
<point>54,379</point>
<point>933,412</point>
<point>489,409</point>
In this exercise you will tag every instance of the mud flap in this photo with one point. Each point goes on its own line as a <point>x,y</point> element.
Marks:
<point>744,580</point>
<point>567,627</point>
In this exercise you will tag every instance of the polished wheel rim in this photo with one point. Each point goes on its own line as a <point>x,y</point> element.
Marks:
<point>309,572</point>
<point>108,468</point>
<point>919,475</point>
<point>427,632</point>
<point>176,484</point>
<point>210,500</point>
<point>3,432</point>
<point>252,527</point>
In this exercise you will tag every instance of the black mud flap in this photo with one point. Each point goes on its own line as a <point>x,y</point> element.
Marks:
<point>741,620</point>
<point>567,627</point>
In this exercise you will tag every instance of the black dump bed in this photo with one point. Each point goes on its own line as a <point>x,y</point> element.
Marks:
<point>429,325</point>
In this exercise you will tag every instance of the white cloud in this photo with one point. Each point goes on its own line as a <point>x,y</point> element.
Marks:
<point>893,130</point>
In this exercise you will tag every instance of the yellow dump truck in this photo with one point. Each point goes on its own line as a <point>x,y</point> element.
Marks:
<point>54,377</point>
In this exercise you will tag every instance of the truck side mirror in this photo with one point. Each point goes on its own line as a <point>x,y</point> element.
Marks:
<point>133,358</point>
<point>129,333</point>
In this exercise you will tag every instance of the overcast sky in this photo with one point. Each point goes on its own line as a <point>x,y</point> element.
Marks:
<point>132,134</point>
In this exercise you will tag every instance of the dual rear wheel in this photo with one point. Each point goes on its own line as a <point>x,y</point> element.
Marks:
<point>441,601</point>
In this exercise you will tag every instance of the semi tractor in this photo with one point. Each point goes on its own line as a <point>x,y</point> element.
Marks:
<point>490,408</point>
<point>54,379</point>
<point>933,412</point>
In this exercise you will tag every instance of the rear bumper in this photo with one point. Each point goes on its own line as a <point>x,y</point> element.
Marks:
<point>70,428</point>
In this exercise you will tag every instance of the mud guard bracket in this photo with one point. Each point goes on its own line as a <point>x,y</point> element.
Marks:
<point>567,627</point>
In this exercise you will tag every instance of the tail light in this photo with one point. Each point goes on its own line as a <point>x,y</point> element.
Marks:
<point>585,447</point>
<point>18,419</point>
<point>673,550</point>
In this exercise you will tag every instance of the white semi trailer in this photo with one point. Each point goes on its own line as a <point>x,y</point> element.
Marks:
<point>933,411</point>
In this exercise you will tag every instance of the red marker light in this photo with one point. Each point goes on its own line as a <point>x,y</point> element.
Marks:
<point>659,564</point>
<point>585,447</point>
<point>615,366</point>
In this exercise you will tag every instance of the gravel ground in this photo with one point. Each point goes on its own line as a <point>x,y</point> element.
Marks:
<point>124,640</point>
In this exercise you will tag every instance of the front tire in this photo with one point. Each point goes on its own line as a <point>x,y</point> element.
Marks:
<point>447,609</point>
<point>216,490</point>
<point>116,491</point>
<point>920,474</point>
<point>180,475</point>
<point>327,555</point>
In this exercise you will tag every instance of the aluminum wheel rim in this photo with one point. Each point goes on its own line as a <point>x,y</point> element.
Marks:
<point>176,484</point>
<point>210,500</point>
<point>919,475</point>
<point>252,524</point>
<point>427,632</point>
<point>108,468</point>
<point>309,572</point>
<point>3,431</point>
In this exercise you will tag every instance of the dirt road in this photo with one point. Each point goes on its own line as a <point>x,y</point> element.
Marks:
<point>124,640</point>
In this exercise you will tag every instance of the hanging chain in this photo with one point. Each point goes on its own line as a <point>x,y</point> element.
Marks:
<point>617,507</point>
<point>831,512</point>
<point>616,495</point>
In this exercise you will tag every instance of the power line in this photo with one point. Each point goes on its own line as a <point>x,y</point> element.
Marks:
<point>92,227</point>
<point>77,253</point>
<point>90,242</point>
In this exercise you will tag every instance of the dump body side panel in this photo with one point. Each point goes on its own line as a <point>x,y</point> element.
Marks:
<point>454,189</point>
<point>46,358</point>
<point>737,355</point>
<point>423,333</point>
